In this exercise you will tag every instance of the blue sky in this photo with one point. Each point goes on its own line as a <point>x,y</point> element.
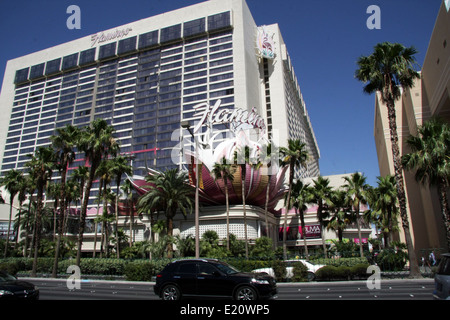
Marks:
<point>324,39</point>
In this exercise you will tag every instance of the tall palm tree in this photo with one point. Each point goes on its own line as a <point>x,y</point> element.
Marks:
<point>41,167</point>
<point>97,142</point>
<point>388,69</point>
<point>301,195</point>
<point>242,158</point>
<point>295,156</point>
<point>270,153</point>
<point>170,191</point>
<point>225,172</point>
<point>119,167</point>
<point>64,143</point>
<point>430,157</point>
<point>322,193</point>
<point>10,182</point>
<point>357,191</point>
<point>127,190</point>
<point>23,184</point>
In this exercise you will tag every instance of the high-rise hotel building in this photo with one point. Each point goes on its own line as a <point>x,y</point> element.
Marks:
<point>145,77</point>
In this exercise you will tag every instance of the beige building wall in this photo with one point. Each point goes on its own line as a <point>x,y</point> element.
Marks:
<point>429,97</point>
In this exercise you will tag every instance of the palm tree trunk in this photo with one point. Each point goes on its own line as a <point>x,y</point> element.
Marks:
<point>444,205</point>
<point>83,214</point>
<point>266,206</point>
<point>37,230</point>
<point>228,214</point>
<point>302,223</point>
<point>243,173</point>
<point>61,220</point>
<point>413,262</point>
<point>291,179</point>
<point>170,234</point>
<point>9,225</point>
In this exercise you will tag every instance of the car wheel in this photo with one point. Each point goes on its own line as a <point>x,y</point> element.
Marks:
<point>311,276</point>
<point>171,292</point>
<point>245,293</point>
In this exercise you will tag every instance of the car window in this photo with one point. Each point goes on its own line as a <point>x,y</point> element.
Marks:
<point>187,268</point>
<point>226,268</point>
<point>206,269</point>
<point>6,277</point>
<point>444,266</point>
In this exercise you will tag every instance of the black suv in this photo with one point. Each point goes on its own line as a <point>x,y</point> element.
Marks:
<point>212,278</point>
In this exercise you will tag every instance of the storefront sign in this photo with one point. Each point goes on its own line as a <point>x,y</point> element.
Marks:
<point>106,36</point>
<point>311,231</point>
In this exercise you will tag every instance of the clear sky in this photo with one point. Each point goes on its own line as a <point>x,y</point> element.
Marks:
<point>324,39</point>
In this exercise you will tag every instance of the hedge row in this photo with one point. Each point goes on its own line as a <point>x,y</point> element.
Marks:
<point>330,273</point>
<point>145,270</point>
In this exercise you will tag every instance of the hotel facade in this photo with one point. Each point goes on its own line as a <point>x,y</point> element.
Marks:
<point>146,79</point>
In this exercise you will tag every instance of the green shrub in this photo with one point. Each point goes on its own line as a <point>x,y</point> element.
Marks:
<point>279,270</point>
<point>331,273</point>
<point>359,271</point>
<point>140,270</point>
<point>392,260</point>
<point>299,272</point>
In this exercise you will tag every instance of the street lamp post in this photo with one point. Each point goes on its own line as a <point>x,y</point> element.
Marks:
<point>187,125</point>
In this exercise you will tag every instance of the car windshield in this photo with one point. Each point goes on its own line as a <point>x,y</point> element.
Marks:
<point>4,277</point>
<point>226,268</point>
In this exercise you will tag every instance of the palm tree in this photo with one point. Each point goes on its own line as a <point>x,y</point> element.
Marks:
<point>383,202</point>
<point>127,190</point>
<point>339,208</point>
<point>119,167</point>
<point>170,191</point>
<point>23,185</point>
<point>97,142</point>
<point>104,172</point>
<point>302,194</point>
<point>322,192</point>
<point>295,156</point>
<point>270,153</point>
<point>225,172</point>
<point>430,156</point>
<point>41,166</point>
<point>388,69</point>
<point>357,191</point>
<point>64,143</point>
<point>10,181</point>
<point>242,158</point>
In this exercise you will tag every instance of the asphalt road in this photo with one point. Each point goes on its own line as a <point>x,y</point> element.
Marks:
<point>57,289</point>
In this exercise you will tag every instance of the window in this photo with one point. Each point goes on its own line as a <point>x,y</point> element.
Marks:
<point>21,75</point>
<point>127,45</point>
<point>37,71</point>
<point>219,21</point>
<point>53,66</point>
<point>148,39</point>
<point>206,269</point>
<point>70,61</point>
<point>171,33</point>
<point>194,27</point>
<point>107,51</point>
<point>87,56</point>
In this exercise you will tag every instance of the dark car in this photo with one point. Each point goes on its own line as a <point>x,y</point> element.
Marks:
<point>211,278</point>
<point>12,288</point>
<point>442,279</point>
